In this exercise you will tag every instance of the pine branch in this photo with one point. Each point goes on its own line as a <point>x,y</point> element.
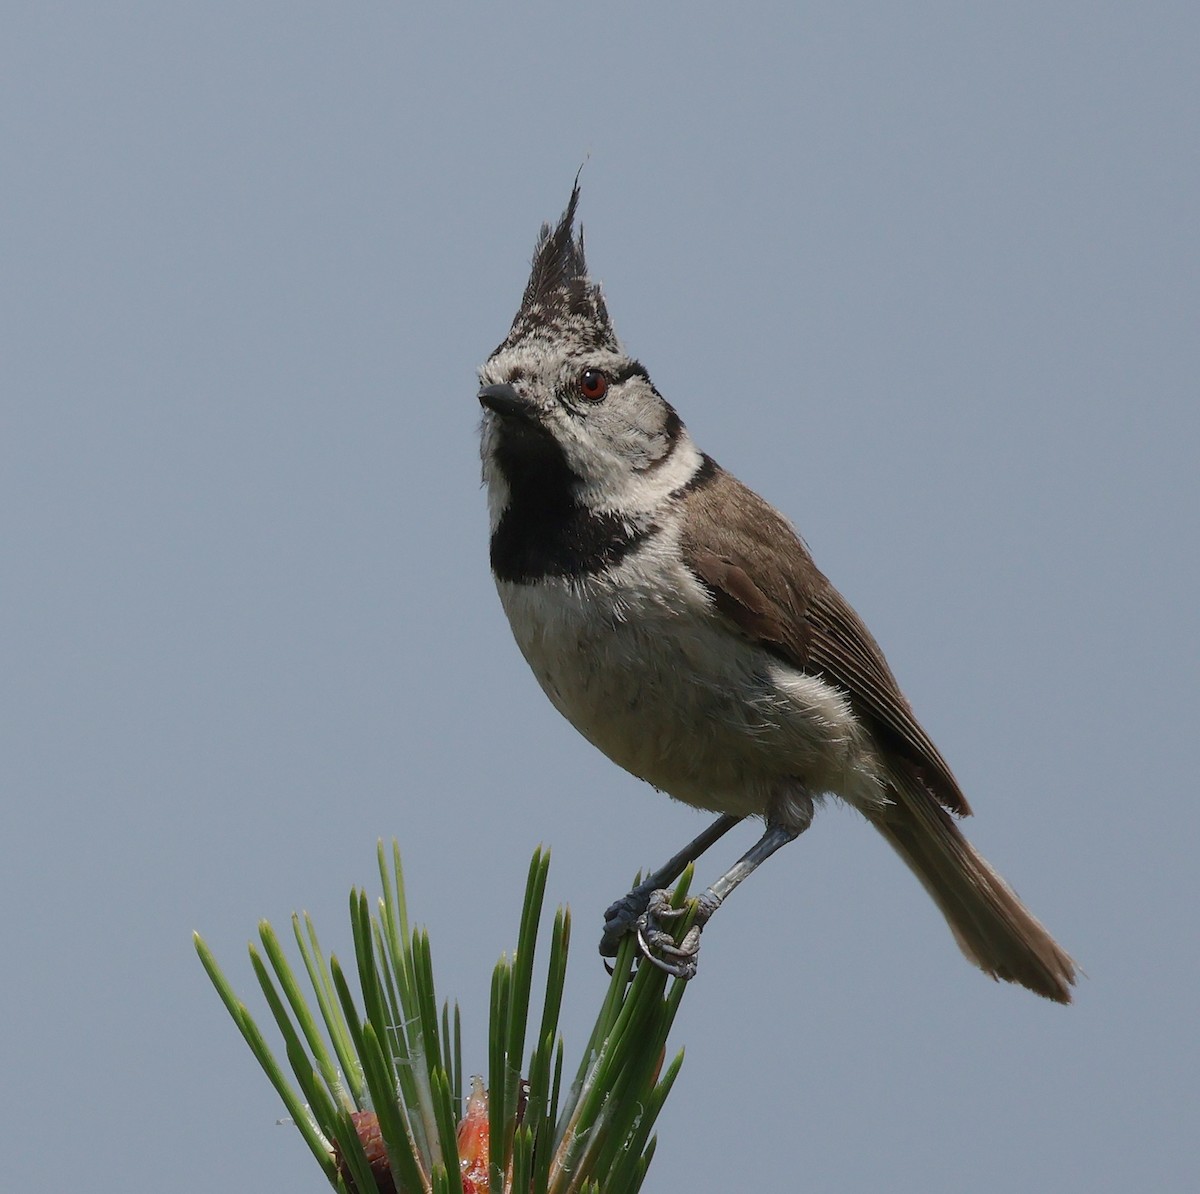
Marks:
<point>376,1074</point>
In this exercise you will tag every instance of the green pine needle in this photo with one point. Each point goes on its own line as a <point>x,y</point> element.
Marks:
<point>376,1086</point>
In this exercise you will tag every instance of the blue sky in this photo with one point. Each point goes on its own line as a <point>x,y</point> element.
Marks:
<point>924,275</point>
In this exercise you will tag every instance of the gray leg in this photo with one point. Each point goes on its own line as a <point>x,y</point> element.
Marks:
<point>623,916</point>
<point>658,945</point>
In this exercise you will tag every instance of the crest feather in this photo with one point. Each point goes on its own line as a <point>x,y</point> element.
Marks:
<point>560,300</point>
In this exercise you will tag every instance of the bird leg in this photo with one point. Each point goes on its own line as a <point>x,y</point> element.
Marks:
<point>657,943</point>
<point>622,916</point>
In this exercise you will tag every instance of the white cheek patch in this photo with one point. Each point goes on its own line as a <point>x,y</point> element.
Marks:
<point>622,491</point>
<point>675,471</point>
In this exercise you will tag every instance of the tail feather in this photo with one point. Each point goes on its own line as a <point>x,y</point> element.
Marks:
<point>992,927</point>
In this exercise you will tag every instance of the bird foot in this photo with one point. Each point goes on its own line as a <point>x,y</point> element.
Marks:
<point>645,913</point>
<point>621,918</point>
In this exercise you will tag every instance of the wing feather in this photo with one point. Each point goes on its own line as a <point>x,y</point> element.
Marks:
<point>765,584</point>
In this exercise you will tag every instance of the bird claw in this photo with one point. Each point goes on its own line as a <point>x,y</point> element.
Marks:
<point>644,914</point>
<point>659,949</point>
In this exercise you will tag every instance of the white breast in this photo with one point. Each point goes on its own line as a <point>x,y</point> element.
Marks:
<point>639,662</point>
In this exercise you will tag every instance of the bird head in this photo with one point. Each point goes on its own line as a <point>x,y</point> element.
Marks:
<point>564,404</point>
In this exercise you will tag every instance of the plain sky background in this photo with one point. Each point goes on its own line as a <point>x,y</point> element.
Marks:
<point>925,275</point>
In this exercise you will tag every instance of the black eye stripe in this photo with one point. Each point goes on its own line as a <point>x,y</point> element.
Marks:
<point>633,369</point>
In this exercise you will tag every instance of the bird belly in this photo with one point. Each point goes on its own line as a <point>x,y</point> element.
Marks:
<point>651,676</point>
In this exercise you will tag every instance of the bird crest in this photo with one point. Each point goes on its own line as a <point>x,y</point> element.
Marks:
<point>561,303</point>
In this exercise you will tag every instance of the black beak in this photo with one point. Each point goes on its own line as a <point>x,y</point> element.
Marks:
<point>505,401</point>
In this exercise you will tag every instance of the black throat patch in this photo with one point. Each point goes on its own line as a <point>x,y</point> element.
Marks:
<point>545,531</point>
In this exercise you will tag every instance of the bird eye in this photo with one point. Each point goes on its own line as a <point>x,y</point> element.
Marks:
<point>593,384</point>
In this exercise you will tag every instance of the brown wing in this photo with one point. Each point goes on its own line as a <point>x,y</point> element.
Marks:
<point>764,581</point>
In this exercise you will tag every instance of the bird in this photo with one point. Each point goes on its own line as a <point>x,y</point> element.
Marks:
<point>679,623</point>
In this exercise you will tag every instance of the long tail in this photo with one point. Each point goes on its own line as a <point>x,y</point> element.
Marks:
<point>991,925</point>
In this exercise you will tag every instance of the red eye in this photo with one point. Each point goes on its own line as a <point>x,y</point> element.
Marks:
<point>593,384</point>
